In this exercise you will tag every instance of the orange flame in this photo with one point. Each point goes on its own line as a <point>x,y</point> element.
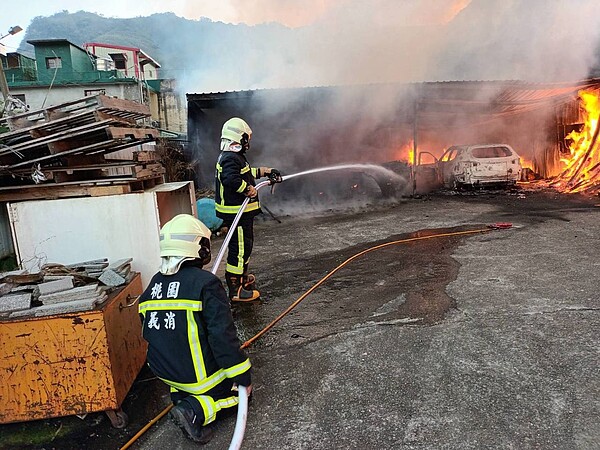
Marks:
<point>582,166</point>
<point>405,153</point>
<point>526,164</point>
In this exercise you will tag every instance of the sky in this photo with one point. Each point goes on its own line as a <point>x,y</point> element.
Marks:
<point>292,13</point>
<point>21,13</point>
<point>369,41</point>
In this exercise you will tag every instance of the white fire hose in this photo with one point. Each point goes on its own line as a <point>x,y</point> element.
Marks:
<point>232,228</point>
<point>242,414</point>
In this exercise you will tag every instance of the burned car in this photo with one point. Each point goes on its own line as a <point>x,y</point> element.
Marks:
<point>478,166</point>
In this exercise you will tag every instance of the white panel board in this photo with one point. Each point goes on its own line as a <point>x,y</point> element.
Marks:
<point>72,230</point>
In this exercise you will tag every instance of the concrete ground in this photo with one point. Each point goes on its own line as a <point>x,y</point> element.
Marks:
<point>463,341</point>
<point>483,340</point>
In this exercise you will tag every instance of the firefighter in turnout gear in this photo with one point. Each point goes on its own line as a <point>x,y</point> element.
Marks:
<point>192,340</point>
<point>234,181</point>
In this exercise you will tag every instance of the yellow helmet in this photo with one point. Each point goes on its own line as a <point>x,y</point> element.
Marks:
<point>234,130</point>
<point>185,236</point>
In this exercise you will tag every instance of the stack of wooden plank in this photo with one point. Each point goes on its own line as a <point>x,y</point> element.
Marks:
<point>66,145</point>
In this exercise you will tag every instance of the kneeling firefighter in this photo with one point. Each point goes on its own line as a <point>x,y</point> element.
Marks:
<point>192,340</point>
<point>234,181</point>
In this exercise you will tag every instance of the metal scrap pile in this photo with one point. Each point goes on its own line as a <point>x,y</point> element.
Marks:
<point>59,289</point>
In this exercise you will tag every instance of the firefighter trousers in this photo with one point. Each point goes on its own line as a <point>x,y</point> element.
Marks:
<point>240,245</point>
<point>215,404</point>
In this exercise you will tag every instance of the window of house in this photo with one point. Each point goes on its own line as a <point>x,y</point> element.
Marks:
<point>12,61</point>
<point>53,63</point>
<point>92,92</point>
<point>120,60</point>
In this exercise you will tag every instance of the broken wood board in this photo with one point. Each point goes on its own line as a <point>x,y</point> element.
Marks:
<point>67,190</point>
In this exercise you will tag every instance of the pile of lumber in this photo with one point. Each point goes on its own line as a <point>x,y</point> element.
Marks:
<point>71,143</point>
<point>61,289</point>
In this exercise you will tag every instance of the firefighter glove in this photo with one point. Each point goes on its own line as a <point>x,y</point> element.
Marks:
<point>275,176</point>
<point>250,191</point>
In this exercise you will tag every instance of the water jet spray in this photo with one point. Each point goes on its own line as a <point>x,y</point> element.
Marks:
<point>270,182</point>
<point>242,415</point>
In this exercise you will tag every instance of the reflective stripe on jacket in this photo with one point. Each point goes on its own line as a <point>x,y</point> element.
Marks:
<point>232,176</point>
<point>192,340</point>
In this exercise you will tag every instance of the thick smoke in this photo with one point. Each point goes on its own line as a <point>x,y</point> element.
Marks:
<point>340,42</point>
<point>291,13</point>
<point>352,43</point>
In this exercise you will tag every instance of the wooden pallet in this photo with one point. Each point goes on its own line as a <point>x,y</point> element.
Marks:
<point>73,127</point>
<point>108,170</point>
<point>114,170</point>
<point>104,138</point>
<point>91,188</point>
<point>57,116</point>
<point>66,143</point>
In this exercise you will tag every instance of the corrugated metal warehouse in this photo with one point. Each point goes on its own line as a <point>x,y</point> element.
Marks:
<point>297,129</point>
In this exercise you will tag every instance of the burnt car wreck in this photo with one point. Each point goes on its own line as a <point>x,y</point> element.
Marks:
<point>476,166</point>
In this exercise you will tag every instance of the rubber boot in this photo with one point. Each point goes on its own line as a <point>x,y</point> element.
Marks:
<point>237,291</point>
<point>249,282</point>
<point>183,416</point>
<point>248,279</point>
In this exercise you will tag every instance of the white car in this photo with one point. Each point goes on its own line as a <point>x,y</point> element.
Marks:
<point>479,165</point>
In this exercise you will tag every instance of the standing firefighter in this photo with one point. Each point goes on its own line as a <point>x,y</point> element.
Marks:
<point>234,181</point>
<point>192,341</point>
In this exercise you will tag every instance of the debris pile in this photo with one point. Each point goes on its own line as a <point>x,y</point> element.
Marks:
<point>60,289</point>
<point>90,140</point>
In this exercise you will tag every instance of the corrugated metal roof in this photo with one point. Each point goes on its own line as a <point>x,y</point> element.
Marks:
<point>511,95</point>
<point>467,84</point>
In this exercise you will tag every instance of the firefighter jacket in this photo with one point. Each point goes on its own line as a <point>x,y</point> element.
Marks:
<point>232,177</point>
<point>192,340</point>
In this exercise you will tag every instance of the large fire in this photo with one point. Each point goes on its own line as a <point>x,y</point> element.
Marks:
<point>582,166</point>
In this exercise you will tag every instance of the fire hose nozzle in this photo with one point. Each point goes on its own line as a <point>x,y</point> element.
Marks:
<point>275,177</point>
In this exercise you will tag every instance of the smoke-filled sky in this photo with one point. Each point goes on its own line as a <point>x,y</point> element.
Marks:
<point>292,13</point>
<point>355,41</point>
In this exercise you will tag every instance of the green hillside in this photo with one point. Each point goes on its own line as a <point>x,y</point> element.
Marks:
<point>184,48</point>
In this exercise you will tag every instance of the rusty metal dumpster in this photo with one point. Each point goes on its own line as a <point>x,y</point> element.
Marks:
<point>72,364</point>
